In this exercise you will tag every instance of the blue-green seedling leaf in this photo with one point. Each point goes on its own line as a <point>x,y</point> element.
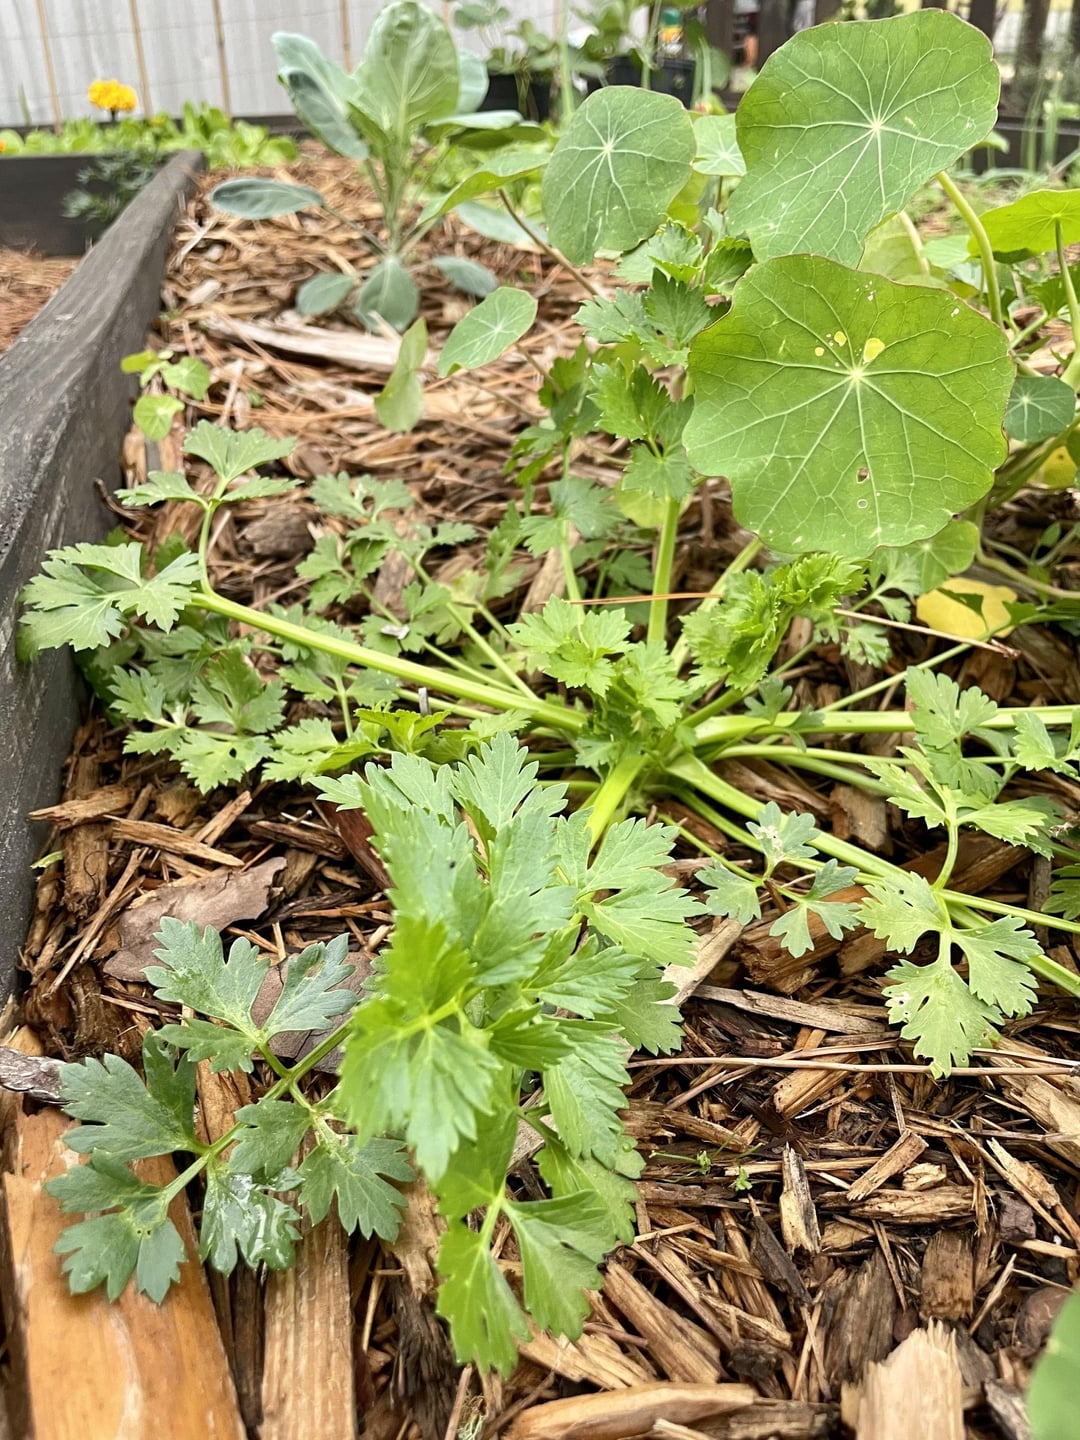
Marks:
<point>487,331</point>
<point>409,73</point>
<point>495,223</point>
<point>1052,1397</point>
<point>1029,225</point>
<point>617,167</point>
<point>731,894</point>
<point>496,171</point>
<point>108,1249</point>
<point>323,293</point>
<point>257,199</point>
<point>320,92</point>
<point>1040,406</point>
<point>844,124</point>
<point>312,994</point>
<point>718,150</point>
<point>847,411</point>
<point>273,1130</point>
<point>468,276</point>
<point>154,414</point>
<point>400,403</point>
<point>389,293</point>
<point>195,972</point>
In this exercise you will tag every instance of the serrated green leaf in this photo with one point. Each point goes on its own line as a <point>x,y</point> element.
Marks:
<point>123,1118</point>
<point>585,1093</point>
<point>560,1242</point>
<point>844,124</point>
<point>242,1218</point>
<point>474,1298</point>
<point>195,972</point>
<point>110,1248</point>
<point>273,1130</point>
<point>232,453</point>
<point>342,1169</point>
<point>998,954</point>
<point>573,644</point>
<point>160,485</point>
<point>901,911</point>
<point>793,926</point>
<point>837,402</point>
<point>783,836</point>
<point>311,994</point>
<point>938,1013</point>
<point>731,894</point>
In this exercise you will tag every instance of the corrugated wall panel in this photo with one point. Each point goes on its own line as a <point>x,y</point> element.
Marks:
<point>94,39</point>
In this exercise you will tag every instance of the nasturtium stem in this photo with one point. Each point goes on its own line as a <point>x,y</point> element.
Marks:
<point>720,728</point>
<point>665,561</point>
<point>982,241</point>
<point>495,697</point>
<point>1071,374</point>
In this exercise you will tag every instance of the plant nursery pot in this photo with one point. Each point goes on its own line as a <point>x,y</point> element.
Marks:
<point>32,191</point>
<point>65,407</point>
<point>671,77</point>
<point>532,98</point>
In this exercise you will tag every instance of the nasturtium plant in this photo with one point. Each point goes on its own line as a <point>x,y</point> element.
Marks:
<point>844,124</point>
<point>1030,225</point>
<point>848,411</point>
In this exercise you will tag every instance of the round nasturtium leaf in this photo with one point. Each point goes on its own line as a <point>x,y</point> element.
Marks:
<point>1029,226</point>
<point>488,330</point>
<point>1040,407</point>
<point>847,411</point>
<point>617,167</point>
<point>717,148</point>
<point>845,122</point>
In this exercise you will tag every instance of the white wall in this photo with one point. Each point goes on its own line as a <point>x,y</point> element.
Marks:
<point>94,39</point>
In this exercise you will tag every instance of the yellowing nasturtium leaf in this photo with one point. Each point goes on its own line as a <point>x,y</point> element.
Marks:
<point>847,411</point>
<point>845,122</point>
<point>617,167</point>
<point>939,611</point>
<point>1057,472</point>
<point>1040,406</point>
<point>1029,226</point>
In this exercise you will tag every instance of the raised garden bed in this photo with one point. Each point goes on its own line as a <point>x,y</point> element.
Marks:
<point>64,408</point>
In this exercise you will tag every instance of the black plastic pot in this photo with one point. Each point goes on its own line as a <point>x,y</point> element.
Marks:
<point>527,93</point>
<point>1011,129</point>
<point>671,77</point>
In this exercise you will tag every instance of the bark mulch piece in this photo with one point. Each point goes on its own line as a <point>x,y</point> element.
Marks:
<point>26,282</point>
<point>825,1232</point>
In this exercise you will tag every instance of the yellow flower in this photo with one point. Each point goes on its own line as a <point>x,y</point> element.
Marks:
<point>111,95</point>
<point>3,147</point>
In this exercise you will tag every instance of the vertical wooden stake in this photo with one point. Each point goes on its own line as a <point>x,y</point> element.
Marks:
<point>46,48</point>
<point>140,58</point>
<point>346,34</point>
<point>223,62</point>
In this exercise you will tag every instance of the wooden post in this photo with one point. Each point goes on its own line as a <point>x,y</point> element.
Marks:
<point>982,14</point>
<point>774,27</point>
<point>140,58</point>
<point>346,34</point>
<point>46,49</point>
<point>223,62</point>
<point>720,25</point>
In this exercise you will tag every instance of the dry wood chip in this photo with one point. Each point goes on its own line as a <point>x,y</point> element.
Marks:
<point>916,1394</point>
<point>898,1159</point>
<point>909,1207</point>
<point>683,1351</point>
<point>218,900</point>
<point>948,1277</point>
<point>172,842</point>
<point>798,1218</point>
<point>32,1075</point>
<point>862,1324</point>
<point>107,801</point>
<point>833,1019</point>
<point>624,1413</point>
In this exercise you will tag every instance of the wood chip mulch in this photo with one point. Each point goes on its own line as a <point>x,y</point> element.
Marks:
<point>813,1204</point>
<point>26,282</point>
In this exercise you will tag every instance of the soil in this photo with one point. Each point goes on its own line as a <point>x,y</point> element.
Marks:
<point>26,282</point>
<point>812,1196</point>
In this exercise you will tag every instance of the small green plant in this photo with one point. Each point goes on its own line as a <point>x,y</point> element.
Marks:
<point>860,418</point>
<point>154,412</point>
<point>411,97</point>
<point>227,144</point>
<point>523,966</point>
<point>108,185</point>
